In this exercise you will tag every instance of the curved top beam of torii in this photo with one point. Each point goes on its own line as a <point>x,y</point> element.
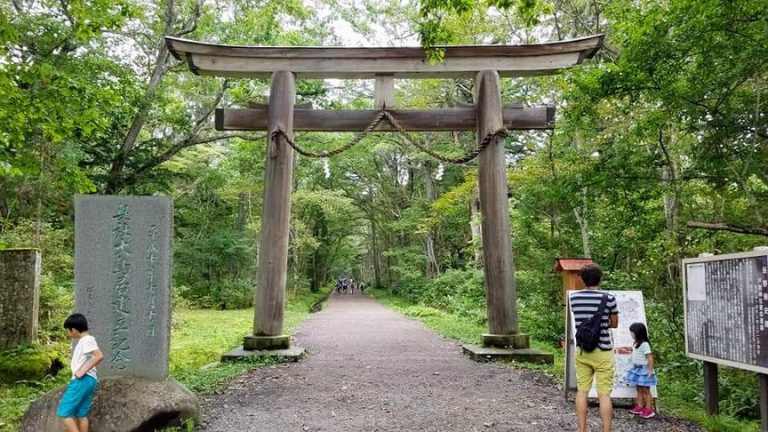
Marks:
<point>408,62</point>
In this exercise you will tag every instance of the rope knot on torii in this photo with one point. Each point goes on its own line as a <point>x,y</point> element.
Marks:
<point>387,115</point>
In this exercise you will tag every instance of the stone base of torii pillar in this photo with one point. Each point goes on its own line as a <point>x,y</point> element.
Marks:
<point>278,347</point>
<point>290,354</point>
<point>514,347</point>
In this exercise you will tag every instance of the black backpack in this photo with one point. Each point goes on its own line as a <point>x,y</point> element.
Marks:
<point>588,332</point>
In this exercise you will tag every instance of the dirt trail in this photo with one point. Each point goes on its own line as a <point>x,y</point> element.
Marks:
<point>372,369</point>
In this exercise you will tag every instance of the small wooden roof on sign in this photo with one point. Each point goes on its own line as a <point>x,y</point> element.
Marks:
<point>571,264</point>
<point>406,62</point>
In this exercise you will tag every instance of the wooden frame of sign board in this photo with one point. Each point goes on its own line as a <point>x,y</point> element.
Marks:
<point>619,392</point>
<point>711,390</point>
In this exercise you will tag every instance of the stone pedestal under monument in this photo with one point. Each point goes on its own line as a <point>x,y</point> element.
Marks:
<point>121,404</point>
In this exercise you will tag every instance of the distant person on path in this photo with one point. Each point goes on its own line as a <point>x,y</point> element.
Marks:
<point>75,403</point>
<point>642,375</point>
<point>594,313</point>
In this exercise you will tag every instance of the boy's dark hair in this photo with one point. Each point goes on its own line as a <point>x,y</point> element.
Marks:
<point>640,332</point>
<point>591,275</point>
<point>76,321</point>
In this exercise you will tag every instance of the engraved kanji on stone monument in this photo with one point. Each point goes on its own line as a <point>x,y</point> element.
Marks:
<point>19,296</point>
<point>123,280</point>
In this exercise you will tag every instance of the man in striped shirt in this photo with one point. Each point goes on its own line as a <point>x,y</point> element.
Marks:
<point>598,364</point>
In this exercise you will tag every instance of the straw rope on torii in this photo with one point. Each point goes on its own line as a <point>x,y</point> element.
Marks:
<point>386,115</point>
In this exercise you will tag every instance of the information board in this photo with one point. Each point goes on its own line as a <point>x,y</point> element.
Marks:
<point>726,309</point>
<point>631,310</point>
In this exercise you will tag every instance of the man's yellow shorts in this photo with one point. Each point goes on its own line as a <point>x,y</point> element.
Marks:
<point>597,364</point>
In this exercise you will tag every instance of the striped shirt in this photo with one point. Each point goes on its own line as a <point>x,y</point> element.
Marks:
<point>585,303</point>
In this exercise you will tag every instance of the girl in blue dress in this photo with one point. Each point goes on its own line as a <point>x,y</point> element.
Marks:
<point>642,375</point>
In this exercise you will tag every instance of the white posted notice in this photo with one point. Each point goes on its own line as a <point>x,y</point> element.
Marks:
<point>696,282</point>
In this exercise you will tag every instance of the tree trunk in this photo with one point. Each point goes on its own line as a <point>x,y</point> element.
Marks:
<point>580,212</point>
<point>117,179</point>
<point>433,267</point>
<point>375,256</point>
<point>581,219</point>
<point>243,209</point>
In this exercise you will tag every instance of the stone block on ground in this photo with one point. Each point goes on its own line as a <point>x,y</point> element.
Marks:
<point>123,280</point>
<point>292,354</point>
<point>19,296</point>
<point>484,354</point>
<point>122,404</point>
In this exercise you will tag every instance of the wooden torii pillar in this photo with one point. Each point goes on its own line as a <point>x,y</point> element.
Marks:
<point>488,116</point>
<point>500,286</point>
<point>269,300</point>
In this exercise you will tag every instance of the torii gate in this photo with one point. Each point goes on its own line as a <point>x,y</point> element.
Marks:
<point>280,118</point>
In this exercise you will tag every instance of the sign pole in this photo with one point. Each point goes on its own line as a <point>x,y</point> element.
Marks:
<point>567,347</point>
<point>711,389</point>
<point>763,379</point>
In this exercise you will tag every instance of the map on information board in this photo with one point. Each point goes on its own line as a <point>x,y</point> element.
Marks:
<point>726,309</point>
<point>631,310</point>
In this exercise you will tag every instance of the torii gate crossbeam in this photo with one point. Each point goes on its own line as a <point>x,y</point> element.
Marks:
<point>487,117</point>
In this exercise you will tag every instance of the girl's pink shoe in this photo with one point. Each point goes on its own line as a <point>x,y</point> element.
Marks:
<point>647,413</point>
<point>637,410</point>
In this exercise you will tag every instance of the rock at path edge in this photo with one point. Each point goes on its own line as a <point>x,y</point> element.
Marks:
<point>122,404</point>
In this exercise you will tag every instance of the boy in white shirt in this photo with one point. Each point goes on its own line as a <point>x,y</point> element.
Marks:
<point>75,403</point>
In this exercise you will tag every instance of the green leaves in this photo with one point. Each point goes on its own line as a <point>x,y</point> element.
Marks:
<point>444,22</point>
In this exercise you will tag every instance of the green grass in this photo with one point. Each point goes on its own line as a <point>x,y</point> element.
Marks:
<point>198,338</point>
<point>675,399</point>
<point>14,399</point>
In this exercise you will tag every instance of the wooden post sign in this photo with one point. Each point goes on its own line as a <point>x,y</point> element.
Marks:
<point>726,317</point>
<point>569,268</point>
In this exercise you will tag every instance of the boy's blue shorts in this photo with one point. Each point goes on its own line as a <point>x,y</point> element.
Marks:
<point>77,398</point>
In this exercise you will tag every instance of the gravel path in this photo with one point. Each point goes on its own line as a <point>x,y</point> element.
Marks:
<point>372,369</point>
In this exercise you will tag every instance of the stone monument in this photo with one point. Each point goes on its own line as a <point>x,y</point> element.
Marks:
<point>123,280</point>
<point>19,296</point>
<point>123,274</point>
